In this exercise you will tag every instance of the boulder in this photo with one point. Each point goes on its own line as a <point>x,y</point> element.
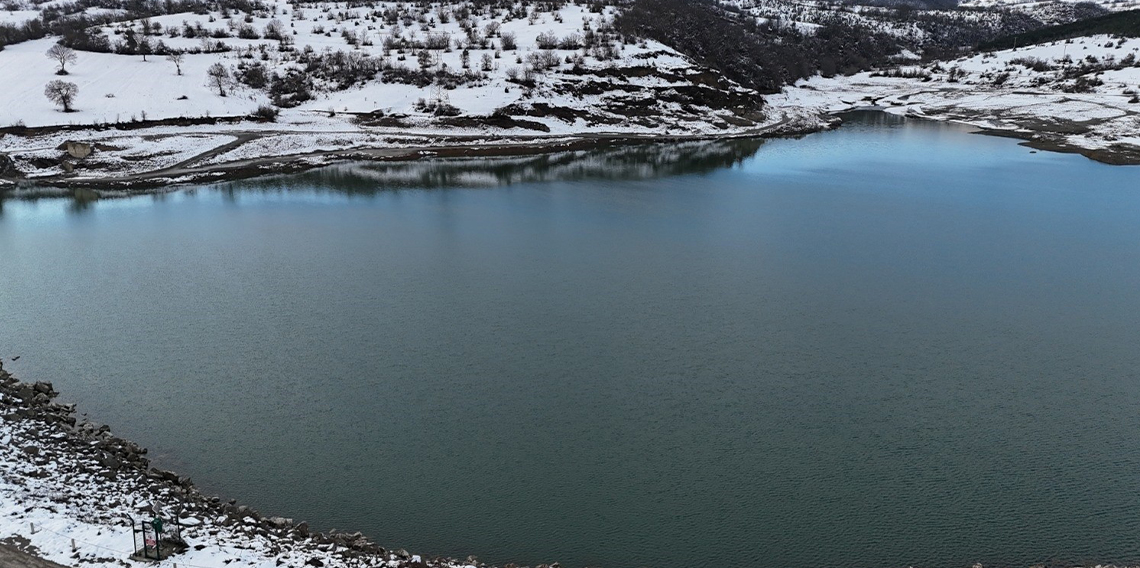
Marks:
<point>166,475</point>
<point>76,149</point>
<point>110,462</point>
<point>7,166</point>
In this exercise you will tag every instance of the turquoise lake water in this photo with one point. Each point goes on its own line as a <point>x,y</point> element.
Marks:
<point>892,344</point>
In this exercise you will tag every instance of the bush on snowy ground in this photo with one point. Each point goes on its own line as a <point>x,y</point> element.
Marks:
<point>266,112</point>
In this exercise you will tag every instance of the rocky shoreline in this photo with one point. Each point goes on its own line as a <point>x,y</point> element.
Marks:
<point>1114,155</point>
<point>67,488</point>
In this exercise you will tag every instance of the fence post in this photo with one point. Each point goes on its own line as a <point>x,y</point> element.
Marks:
<point>73,548</point>
<point>146,547</point>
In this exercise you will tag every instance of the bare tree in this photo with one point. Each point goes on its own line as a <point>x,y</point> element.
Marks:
<point>61,93</point>
<point>62,55</point>
<point>145,47</point>
<point>218,77</point>
<point>176,58</point>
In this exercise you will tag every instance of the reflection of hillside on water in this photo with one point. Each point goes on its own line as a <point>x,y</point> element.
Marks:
<point>631,162</point>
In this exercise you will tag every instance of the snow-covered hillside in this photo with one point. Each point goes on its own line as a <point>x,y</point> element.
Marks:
<point>201,84</point>
<point>1078,94</point>
<point>277,77</point>
<point>1114,5</point>
<point>811,15</point>
<point>112,88</point>
<point>454,57</point>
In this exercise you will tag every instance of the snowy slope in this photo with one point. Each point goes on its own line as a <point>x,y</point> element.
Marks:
<point>121,88</point>
<point>1083,93</point>
<point>112,88</point>
<point>1114,5</point>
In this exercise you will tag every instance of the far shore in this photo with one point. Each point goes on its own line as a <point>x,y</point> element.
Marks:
<point>208,164</point>
<point>201,167</point>
<point>1113,156</point>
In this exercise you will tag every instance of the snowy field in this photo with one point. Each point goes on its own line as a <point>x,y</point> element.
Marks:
<point>1114,5</point>
<point>396,75</point>
<point>112,88</point>
<point>456,70</point>
<point>17,16</point>
<point>123,88</point>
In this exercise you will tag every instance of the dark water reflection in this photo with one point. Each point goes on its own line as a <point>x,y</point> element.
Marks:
<point>617,163</point>
<point>894,344</point>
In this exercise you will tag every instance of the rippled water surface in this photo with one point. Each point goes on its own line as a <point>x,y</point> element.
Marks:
<point>893,344</point>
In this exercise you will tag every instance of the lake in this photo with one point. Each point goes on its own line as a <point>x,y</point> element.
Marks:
<point>892,344</point>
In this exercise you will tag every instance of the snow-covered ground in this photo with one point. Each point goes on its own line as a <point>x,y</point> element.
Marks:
<point>589,84</point>
<point>112,88</point>
<point>420,58</point>
<point>18,16</point>
<point>123,88</point>
<point>1081,94</point>
<point>921,28</point>
<point>1114,5</point>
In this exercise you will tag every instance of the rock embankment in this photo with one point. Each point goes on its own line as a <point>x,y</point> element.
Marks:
<point>70,488</point>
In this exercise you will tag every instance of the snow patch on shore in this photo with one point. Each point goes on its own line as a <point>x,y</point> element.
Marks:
<point>61,497</point>
<point>1082,92</point>
<point>69,490</point>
